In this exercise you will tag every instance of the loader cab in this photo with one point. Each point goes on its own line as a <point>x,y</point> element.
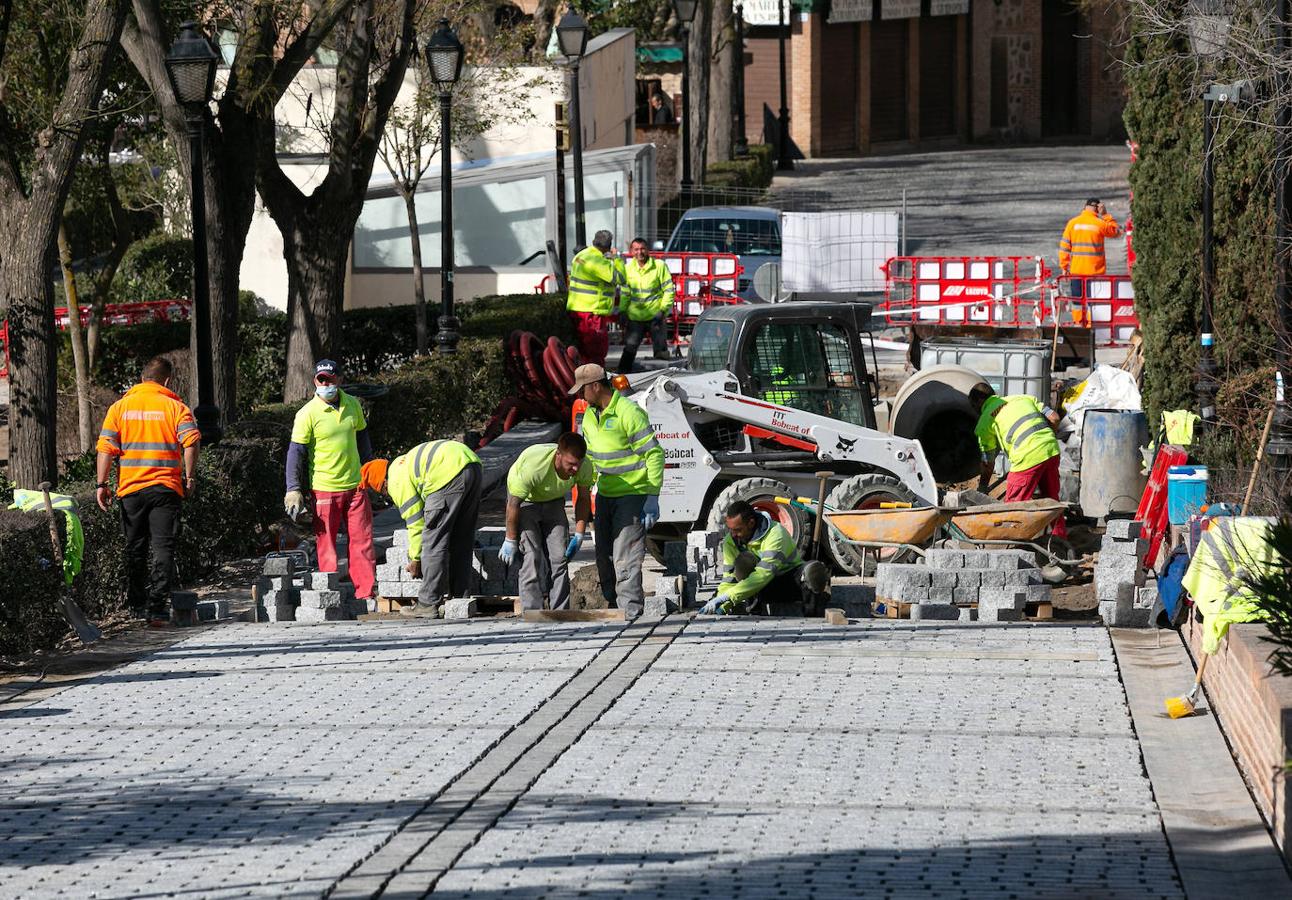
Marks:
<point>808,356</point>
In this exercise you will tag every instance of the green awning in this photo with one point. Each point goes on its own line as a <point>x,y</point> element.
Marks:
<point>659,53</point>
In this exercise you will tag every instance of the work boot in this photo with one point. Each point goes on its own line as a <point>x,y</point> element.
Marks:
<point>420,610</point>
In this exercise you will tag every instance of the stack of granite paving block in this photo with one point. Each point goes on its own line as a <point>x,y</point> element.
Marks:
<point>279,592</point>
<point>1124,601</point>
<point>493,576</point>
<point>947,584</point>
<point>288,596</point>
<point>690,568</point>
<point>393,580</point>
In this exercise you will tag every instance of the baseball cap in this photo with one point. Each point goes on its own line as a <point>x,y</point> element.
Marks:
<point>588,373</point>
<point>326,367</point>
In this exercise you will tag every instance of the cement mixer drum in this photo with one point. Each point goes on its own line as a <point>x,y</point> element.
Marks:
<point>933,408</point>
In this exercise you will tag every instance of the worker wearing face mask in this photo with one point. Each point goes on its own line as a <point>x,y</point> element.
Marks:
<point>329,445</point>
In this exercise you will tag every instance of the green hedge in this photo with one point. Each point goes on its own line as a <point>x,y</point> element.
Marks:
<point>753,172</point>
<point>30,615</point>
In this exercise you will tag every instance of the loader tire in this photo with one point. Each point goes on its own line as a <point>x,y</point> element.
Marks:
<point>863,492</point>
<point>761,493</point>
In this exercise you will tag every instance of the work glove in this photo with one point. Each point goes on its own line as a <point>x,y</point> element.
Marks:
<point>507,552</point>
<point>650,511</point>
<point>714,606</point>
<point>294,504</point>
<point>576,541</point>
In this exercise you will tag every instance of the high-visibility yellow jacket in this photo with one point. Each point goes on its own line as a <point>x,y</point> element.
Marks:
<point>593,280</point>
<point>147,431</point>
<point>1233,550</point>
<point>419,473</point>
<point>622,447</point>
<point>648,289</point>
<point>1018,426</point>
<point>777,554</point>
<point>1178,425</point>
<point>74,543</point>
<point>1081,249</point>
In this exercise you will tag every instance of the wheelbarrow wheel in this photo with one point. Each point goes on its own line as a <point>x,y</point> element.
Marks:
<point>864,492</point>
<point>761,494</point>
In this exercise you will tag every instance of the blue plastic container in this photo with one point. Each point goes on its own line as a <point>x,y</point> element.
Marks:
<point>1186,492</point>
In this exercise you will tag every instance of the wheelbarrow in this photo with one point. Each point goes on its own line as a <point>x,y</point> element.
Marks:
<point>1020,526</point>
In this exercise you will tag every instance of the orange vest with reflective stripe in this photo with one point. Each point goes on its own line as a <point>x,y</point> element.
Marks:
<point>146,430</point>
<point>1081,249</point>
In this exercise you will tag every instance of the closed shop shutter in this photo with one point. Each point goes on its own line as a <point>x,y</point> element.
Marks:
<point>888,83</point>
<point>938,67</point>
<point>839,103</point>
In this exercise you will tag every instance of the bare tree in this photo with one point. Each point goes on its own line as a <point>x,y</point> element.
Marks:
<point>721,122</point>
<point>374,47</point>
<point>700,47</point>
<point>275,39</point>
<point>36,169</point>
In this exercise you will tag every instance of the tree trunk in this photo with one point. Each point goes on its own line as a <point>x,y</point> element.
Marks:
<point>699,45</point>
<point>544,22</point>
<point>721,124</point>
<point>316,249</point>
<point>84,429</point>
<point>33,398</point>
<point>419,285</point>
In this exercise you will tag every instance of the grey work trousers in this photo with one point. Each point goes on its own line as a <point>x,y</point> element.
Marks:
<point>448,543</point>
<point>544,532</point>
<point>621,550</point>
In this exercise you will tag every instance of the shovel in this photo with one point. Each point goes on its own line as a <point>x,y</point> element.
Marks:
<point>86,630</point>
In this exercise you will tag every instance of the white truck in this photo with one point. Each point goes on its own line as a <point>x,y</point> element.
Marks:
<point>770,395</point>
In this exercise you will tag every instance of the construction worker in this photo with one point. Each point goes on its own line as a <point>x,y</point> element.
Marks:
<point>436,487</point>
<point>150,435</point>
<point>761,566</point>
<point>595,273</point>
<point>328,446</point>
<point>74,542</point>
<point>537,486</point>
<point>1081,249</point>
<point>1027,432</point>
<point>648,297</point>
<point>630,472</point>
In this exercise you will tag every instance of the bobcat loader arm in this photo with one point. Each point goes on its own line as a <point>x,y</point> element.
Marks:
<point>715,393</point>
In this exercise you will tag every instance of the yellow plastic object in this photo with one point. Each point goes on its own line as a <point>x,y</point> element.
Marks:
<point>1008,521</point>
<point>890,526</point>
<point>895,504</point>
<point>1179,707</point>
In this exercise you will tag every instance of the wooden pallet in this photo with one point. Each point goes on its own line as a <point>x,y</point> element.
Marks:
<point>1040,611</point>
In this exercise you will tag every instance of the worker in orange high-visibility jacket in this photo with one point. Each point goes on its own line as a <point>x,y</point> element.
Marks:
<point>1081,249</point>
<point>150,435</point>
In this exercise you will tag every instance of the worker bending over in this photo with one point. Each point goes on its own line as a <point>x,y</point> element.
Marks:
<point>1025,430</point>
<point>647,298</point>
<point>436,486</point>
<point>537,486</point>
<point>595,274</point>
<point>1081,249</point>
<point>630,472</point>
<point>761,566</point>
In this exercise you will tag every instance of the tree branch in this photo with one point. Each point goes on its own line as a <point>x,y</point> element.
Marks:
<point>299,51</point>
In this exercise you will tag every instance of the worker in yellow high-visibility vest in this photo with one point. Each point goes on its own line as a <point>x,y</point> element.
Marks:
<point>647,299</point>
<point>630,472</point>
<point>1025,430</point>
<point>596,272</point>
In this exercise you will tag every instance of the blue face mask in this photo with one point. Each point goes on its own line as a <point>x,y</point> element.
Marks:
<point>326,392</point>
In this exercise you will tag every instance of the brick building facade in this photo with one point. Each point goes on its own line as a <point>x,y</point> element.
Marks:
<point>931,73</point>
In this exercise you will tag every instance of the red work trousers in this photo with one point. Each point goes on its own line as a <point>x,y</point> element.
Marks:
<point>331,509</point>
<point>591,336</point>
<point>1026,484</point>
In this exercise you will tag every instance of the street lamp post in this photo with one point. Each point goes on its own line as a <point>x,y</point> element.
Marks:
<point>190,66</point>
<point>685,10</point>
<point>444,58</point>
<point>741,145</point>
<point>784,162</point>
<point>572,38</point>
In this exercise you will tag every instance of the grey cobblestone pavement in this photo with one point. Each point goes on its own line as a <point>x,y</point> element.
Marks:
<point>752,758</point>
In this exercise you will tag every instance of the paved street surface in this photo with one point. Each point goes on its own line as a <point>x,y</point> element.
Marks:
<point>999,201</point>
<point>745,758</point>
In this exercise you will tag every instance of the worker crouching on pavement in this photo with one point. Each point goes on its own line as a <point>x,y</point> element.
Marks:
<point>436,487</point>
<point>595,274</point>
<point>537,486</point>
<point>762,571</point>
<point>630,472</point>
<point>329,445</point>
<point>647,298</point>
<point>1025,430</point>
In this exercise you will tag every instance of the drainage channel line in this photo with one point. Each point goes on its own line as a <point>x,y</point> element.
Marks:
<point>412,862</point>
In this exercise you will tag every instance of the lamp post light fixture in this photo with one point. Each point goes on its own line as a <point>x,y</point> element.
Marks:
<point>572,38</point>
<point>190,66</point>
<point>685,10</point>
<point>444,56</point>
